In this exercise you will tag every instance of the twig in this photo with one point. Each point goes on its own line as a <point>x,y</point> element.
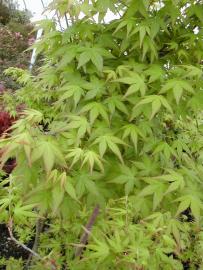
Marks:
<point>66,19</point>
<point>87,231</point>
<point>10,226</point>
<point>35,254</point>
<point>39,227</point>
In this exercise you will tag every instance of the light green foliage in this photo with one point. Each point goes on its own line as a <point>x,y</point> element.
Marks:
<point>114,117</point>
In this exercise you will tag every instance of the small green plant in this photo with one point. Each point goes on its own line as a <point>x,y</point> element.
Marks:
<point>113,122</point>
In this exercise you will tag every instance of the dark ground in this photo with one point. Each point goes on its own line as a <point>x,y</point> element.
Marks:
<point>8,248</point>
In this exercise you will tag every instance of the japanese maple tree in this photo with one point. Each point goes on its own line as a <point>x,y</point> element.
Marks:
<point>113,120</point>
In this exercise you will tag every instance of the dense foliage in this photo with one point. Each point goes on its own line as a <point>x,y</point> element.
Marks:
<point>113,121</point>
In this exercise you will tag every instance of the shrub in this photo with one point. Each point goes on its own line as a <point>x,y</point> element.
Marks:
<point>4,14</point>
<point>113,123</point>
<point>5,121</point>
<point>15,35</point>
<point>12,53</point>
<point>12,44</point>
<point>9,12</point>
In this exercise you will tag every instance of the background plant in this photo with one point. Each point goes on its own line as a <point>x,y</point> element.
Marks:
<point>16,32</point>
<point>114,118</point>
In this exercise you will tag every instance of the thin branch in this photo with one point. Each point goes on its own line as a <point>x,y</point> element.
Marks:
<point>87,231</point>
<point>59,21</point>
<point>35,254</point>
<point>66,19</point>
<point>10,225</point>
<point>43,5</point>
<point>118,11</point>
<point>25,5</point>
<point>39,227</point>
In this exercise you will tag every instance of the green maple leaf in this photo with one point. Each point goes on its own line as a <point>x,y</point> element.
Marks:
<point>95,109</point>
<point>177,86</point>
<point>136,83</point>
<point>111,142</point>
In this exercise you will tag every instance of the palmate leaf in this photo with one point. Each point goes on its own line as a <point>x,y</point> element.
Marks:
<point>97,60</point>
<point>128,23</point>
<point>57,197</point>
<point>48,156</point>
<point>149,46</point>
<point>175,179</point>
<point>156,105</point>
<point>138,6</point>
<point>70,189</point>
<point>85,184</point>
<point>191,201</point>
<point>116,103</point>
<point>70,91</point>
<point>85,157</point>
<point>95,88</point>
<point>26,141</point>
<point>80,123</point>
<point>164,148</point>
<point>155,72</point>
<point>84,58</point>
<point>21,141</point>
<point>133,133</point>
<point>48,76</point>
<point>195,102</point>
<point>177,86</point>
<point>147,166</point>
<point>174,227</point>
<point>117,243</point>
<point>192,71</point>
<point>6,201</point>
<point>180,146</point>
<point>143,31</point>
<point>157,102</point>
<point>50,152</point>
<point>24,211</point>
<point>95,55</point>
<point>100,250</point>
<point>66,183</point>
<point>91,187</point>
<point>32,116</point>
<point>61,184</point>
<point>157,189</point>
<point>76,154</point>
<point>178,183</point>
<point>22,76</point>
<point>111,74</point>
<point>123,70</point>
<point>127,177</point>
<point>111,142</point>
<point>136,82</point>
<point>95,109</point>
<point>92,158</point>
<point>157,219</point>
